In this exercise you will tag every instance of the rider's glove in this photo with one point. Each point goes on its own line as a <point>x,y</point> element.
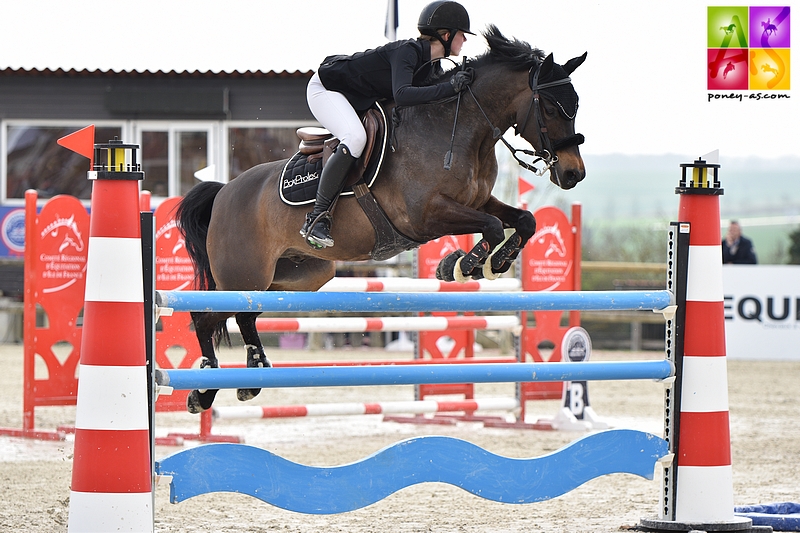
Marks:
<point>462,79</point>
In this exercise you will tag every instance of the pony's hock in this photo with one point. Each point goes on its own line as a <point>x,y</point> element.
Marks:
<point>515,85</point>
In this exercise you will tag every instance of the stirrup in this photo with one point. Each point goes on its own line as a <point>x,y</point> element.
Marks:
<point>318,240</point>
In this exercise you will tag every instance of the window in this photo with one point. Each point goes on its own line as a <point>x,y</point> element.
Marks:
<point>155,162</point>
<point>248,147</point>
<point>35,161</point>
<point>171,153</point>
<point>192,156</point>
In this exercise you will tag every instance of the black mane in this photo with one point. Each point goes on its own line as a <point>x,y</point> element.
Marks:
<point>516,54</point>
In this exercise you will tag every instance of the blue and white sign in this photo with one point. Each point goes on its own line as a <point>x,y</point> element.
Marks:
<point>13,231</point>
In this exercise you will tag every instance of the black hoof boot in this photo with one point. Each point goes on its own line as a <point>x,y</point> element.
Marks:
<point>472,262</point>
<point>503,258</point>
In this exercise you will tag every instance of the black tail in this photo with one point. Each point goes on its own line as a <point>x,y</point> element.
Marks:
<point>193,215</point>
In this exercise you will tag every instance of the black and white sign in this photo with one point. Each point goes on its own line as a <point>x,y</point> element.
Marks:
<point>762,311</point>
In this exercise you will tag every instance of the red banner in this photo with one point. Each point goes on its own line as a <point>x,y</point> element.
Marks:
<point>549,256</point>
<point>56,252</point>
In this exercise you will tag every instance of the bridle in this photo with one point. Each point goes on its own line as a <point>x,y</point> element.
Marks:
<point>547,154</point>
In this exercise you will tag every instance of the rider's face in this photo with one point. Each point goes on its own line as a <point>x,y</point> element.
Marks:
<point>458,42</point>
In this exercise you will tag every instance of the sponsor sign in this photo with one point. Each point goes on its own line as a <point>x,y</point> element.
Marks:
<point>762,311</point>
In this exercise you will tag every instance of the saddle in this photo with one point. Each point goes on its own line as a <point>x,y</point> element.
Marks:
<point>300,175</point>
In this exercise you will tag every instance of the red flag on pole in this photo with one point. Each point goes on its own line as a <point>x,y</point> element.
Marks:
<point>80,142</point>
<point>523,186</point>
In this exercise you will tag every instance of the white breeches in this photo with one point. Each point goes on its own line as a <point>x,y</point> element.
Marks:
<point>336,114</point>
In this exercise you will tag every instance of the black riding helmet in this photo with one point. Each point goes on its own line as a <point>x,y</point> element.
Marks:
<point>450,16</point>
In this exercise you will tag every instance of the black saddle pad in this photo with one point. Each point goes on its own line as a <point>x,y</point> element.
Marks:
<point>300,177</point>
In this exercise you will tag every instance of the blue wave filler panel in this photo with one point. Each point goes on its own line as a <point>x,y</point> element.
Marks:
<point>329,490</point>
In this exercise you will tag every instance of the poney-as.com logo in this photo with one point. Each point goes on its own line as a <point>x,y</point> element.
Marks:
<point>748,48</point>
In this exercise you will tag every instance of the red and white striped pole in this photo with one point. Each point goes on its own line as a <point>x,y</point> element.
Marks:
<point>111,473</point>
<point>377,408</point>
<point>702,475</point>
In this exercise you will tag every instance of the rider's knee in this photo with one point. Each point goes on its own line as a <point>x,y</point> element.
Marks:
<point>356,141</point>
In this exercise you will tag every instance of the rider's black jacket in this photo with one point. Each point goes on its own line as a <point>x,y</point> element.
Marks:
<point>385,73</point>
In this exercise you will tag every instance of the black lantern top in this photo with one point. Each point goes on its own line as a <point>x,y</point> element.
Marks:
<point>703,180</point>
<point>116,160</point>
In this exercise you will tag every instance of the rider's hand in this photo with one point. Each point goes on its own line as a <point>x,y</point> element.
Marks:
<point>462,79</point>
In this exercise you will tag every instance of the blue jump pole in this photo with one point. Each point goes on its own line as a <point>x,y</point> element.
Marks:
<point>387,302</point>
<point>256,378</point>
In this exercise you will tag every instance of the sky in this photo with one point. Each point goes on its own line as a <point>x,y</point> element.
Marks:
<point>642,88</point>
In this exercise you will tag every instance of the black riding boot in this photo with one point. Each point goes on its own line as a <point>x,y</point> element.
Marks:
<point>317,228</point>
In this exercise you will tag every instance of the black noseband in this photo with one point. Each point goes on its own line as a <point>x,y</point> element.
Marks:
<point>572,140</point>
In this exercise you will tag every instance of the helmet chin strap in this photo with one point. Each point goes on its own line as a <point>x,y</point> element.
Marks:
<point>448,43</point>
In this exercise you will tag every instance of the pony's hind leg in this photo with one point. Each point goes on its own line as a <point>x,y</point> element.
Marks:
<point>205,325</point>
<point>255,350</point>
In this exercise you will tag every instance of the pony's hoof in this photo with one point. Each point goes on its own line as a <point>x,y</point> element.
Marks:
<point>247,394</point>
<point>445,270</point>
<point>197,402</point>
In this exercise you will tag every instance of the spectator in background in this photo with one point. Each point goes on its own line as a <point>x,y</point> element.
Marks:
<point>736,248</point>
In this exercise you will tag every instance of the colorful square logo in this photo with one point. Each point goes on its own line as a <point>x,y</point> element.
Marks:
<point>748,48</point>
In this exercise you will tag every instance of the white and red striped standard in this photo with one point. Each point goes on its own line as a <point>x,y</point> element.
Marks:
<point>346,409</point>
<point>704,486</point>
<point>111,473</point>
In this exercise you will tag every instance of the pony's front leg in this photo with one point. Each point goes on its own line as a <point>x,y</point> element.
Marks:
<point>447,217</point>
<point>256,358</point>
<point>524,225</point>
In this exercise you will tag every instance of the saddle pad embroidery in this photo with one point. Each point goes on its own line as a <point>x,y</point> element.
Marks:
<point>299,179</point>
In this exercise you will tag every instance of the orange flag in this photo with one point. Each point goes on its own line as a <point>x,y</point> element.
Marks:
<point>81,142</point>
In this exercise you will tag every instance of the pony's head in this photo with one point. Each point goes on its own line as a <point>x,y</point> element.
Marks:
<point>544,112</point>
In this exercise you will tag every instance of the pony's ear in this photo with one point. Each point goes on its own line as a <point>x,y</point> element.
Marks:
<point>546,67</point>
<point>574,63</point>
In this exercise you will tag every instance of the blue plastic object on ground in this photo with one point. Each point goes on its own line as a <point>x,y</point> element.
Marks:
<point>783,516</point>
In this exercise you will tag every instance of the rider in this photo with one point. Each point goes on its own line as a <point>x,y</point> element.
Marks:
<point>344,85</point>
